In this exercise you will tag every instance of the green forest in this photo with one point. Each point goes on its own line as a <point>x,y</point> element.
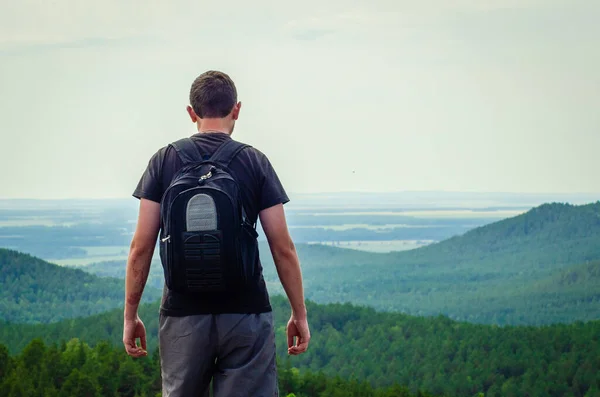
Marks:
<point>74,369</point>
<point>433,354</point>
<point>33,290</point>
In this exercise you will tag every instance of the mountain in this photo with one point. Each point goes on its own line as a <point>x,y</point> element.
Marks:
<point>551,235</point>
<point>435,354</point>
<point>487,275</point>
<point>32,290</point>
<point>507,272</point>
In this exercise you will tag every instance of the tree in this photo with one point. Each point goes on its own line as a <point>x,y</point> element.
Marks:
<point>80,385</point>
<point>4,362</point>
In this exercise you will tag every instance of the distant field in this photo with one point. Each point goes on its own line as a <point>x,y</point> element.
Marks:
<point>366,226</point>
<point>33,221</point>
<point>119,253</point>
<point>379,246</point>
<point>429,214</point>
<point>80,232</point>
<point>87,260</point>
<point>95,254</point>
<point>107,250</point>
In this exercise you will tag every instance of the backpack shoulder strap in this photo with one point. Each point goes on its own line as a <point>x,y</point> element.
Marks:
<point>187,150</point>
<point>227,152</point>
<point>224,155</point>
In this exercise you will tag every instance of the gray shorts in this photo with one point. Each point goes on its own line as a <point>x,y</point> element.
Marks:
<point>234,351</point>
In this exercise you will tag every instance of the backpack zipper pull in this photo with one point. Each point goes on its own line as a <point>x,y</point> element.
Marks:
<point>166,239</point>
<point>209,175</point>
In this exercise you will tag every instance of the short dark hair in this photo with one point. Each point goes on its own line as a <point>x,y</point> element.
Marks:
<point>213,95</point>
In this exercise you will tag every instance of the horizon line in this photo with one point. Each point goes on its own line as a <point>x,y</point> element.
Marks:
<point>325,193</point>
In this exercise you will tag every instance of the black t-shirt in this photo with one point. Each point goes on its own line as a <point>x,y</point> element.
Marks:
<point>261,189</point>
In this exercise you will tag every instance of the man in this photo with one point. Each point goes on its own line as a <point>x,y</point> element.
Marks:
<point>228,338</point>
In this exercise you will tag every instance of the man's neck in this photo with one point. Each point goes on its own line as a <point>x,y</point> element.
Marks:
<point>209,126</point>
<point>212,131</point>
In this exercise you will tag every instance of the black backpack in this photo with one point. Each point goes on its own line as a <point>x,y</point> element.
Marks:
<point>207,243</point>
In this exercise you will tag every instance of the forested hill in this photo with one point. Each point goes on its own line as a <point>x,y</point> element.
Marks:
<point>507,272</point>
<point>436,354</point>
<point>511,272</point>
<point>32,290</point>
<point>580,276</point>
<point>548,235</point>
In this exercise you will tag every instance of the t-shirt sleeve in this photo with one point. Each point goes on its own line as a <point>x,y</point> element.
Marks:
<point>271,190</point>
<point>150,184</point>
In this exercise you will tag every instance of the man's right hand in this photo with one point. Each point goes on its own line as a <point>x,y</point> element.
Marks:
<point>297,328</point>
<point>288,268</point>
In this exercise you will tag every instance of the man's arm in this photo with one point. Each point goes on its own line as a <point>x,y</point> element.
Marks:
<point>138,267</point>
<point>288,268</point>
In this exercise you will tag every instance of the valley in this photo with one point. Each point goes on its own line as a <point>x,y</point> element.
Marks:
<point>498,307</point>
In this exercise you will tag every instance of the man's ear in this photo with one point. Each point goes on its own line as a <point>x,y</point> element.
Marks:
<point>192,114</point>
<point>235,113</point>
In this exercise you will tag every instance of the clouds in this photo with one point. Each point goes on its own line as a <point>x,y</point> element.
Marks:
<point>442,95</point>
<point>36,22</point>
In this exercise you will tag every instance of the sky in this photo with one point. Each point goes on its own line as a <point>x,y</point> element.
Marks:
<point>362,96</point>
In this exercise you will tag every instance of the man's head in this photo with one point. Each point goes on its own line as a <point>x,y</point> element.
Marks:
<point>213,102</point>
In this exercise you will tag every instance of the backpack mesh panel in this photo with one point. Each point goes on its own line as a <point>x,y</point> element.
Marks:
<point>201,213</point>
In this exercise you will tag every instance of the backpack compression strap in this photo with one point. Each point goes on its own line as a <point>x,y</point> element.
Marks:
<point>187,150</point>
<point>227,152</point>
